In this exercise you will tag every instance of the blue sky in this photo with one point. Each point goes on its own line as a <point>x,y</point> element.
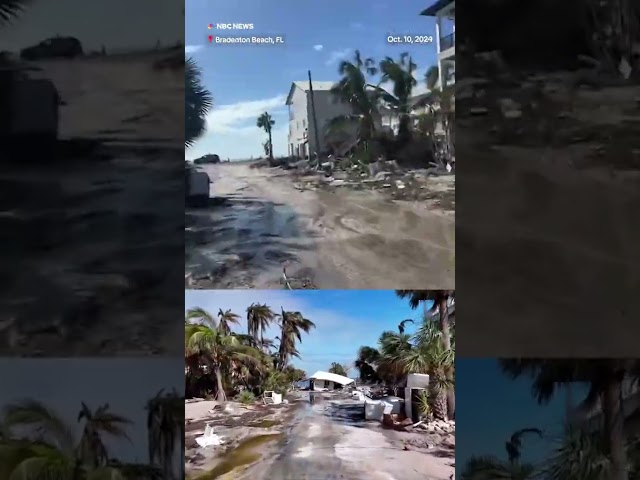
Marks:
<point>125,383</point>
<point>490,407</point>
<point>345,319</point>
<point>247,80</point>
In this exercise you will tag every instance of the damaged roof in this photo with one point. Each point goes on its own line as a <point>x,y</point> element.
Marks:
<point>332,377</point>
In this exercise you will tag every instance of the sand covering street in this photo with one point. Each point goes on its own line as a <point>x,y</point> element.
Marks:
<point>326,237</point>
<point>325,440</point>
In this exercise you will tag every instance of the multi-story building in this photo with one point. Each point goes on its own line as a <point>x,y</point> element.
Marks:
<point>302,128</point>
<point>444,12</point>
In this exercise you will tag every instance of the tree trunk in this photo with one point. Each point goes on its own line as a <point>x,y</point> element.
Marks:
<point>220,395</point>
<point>446,340</point>
<point>270,146</point>
<point>614,429</point>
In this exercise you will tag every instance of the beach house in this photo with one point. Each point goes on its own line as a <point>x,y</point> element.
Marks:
<point>444,12</point>
<point>302,111</point>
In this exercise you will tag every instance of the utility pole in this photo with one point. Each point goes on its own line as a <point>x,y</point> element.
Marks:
<point>315,122</point>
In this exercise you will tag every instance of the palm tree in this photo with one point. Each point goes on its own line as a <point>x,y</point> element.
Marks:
<point>259,317</point>
<point>225,319</point>
<point>493,468</point>
<point>355,90</point>
<point>401,74</point>
<point>578,455</point>
<point>440,300</point>
<point>37,443</point>
<point>96,424</point>
<point>604,379</point>
<point>292,324</point>
<point>165,429</point>
<point>432,76</point>
<point>393,347</point>
<point>266,123</point>
<point>337,369</point>
<point>440,99</point>
<point>198,102</point>
<point>367,362</point>
<point>11,9</point>
<point>218,351</point>
<point>201,316</point>
<point>429,356</point>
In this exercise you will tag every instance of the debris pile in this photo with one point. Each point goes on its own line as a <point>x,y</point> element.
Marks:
<point>589,107</point>
<point>435,182</point>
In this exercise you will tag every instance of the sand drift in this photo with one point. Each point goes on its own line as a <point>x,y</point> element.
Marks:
<point>264,220</point>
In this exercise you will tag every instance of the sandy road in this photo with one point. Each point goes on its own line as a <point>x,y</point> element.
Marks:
<point>329,440</point>
<point>334,239</point>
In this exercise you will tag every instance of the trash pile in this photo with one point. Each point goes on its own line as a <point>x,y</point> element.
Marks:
<point>383,175</point>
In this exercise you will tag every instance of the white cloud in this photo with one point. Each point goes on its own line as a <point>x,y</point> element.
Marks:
<point>192,48</point>
<point>337,56</point>
<point>232,131</point>
<point>230,118</point>
<point>318,48</point>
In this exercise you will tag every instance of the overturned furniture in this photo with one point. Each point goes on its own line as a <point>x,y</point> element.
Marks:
<point>272,398</point>
<point>377,409</point>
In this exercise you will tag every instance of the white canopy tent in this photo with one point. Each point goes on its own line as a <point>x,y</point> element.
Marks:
<point>328,380</point>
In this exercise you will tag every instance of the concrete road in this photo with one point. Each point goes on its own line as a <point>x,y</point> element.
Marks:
<point>330,440</point>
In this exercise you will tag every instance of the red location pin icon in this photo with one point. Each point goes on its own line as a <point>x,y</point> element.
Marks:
<point>210,38</point>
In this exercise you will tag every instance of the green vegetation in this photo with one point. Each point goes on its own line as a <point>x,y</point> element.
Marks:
<point>370,101</point>
<point>430,350</point>
<point>225,362</point>
<point>246,397</point>
<point>266,123</point>
<point>198,102</point>
<point>38,444</point>
<point>581,453</point>
<point>339,369</point>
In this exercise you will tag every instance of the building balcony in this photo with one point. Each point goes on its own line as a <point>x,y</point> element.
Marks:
<point>447,42</point>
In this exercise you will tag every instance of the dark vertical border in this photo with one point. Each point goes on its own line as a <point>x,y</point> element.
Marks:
<point>92,224</point>
<point>548,185</point>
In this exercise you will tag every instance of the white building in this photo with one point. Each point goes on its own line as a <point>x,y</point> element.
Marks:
<point>444,12</point>
<point>391,120</point>
<point>330,381</point>
<point>302,130</point>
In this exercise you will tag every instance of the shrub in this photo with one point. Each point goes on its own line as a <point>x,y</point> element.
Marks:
<point>246,397</point>
<point>277,382</point>
<point>424,406</point>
